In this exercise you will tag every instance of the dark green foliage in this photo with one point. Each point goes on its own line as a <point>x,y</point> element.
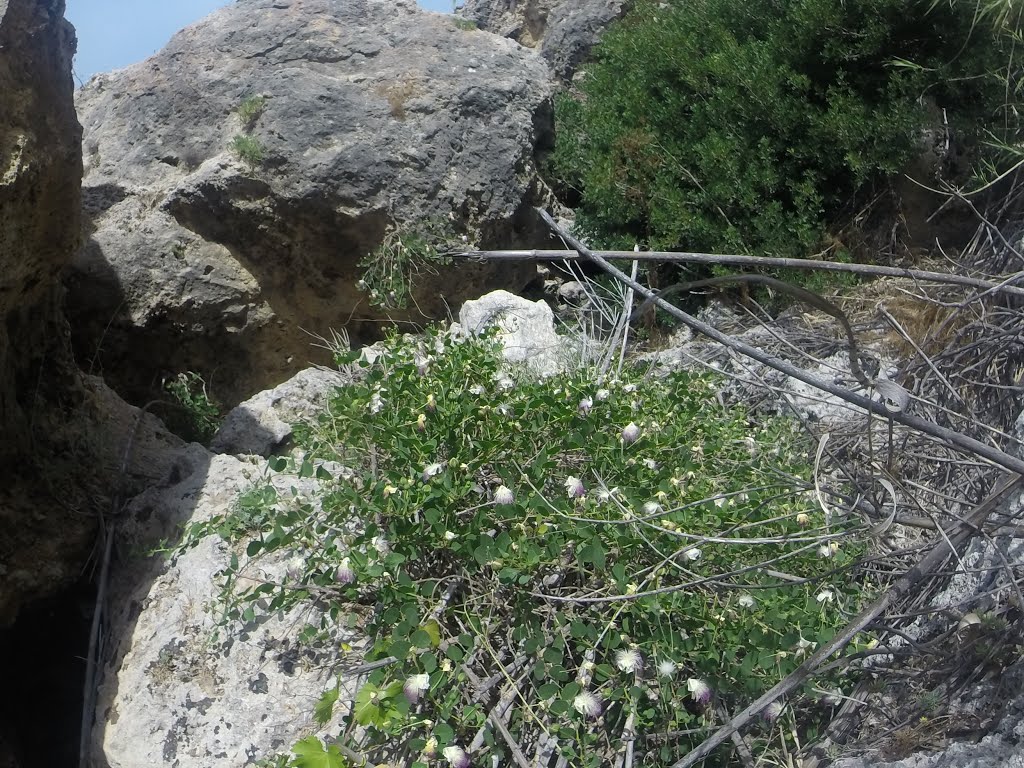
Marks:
<point>739,125</point>
<point>197,417</point>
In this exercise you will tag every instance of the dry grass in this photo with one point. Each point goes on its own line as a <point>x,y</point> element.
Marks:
<point>397,95</point>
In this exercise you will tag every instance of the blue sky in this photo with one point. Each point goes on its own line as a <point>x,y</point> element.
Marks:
<point>116,33</point>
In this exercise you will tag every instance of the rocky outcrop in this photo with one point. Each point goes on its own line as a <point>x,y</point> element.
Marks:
<point>563,31</point>
<point>262,425</point>
<point>43,500</point>
<point>372,113</point>
<point>178,689</point>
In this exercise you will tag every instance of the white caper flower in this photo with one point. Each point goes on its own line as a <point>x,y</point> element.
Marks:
<point>503,495</point>
<point>630,433</point>
<point>449,536</point>
<point>344,573</point>
<point>693,554</point>
<point>456,756</point>
<point>666,668</point>
<point>748,602</point>
<point>772,711</point>
<point>629,388</point>
<point>825,596</point>
<point>825,551</point>
<point>382,545</point>
<point>802,646</point>
<point>585,405</point>
<point>650,464</point>
<point>652,508</point>
<point>430,470</point>
<point>587,704</point>
<point>602,394</point>
<point>629,660</point>
<point>574,487</point>
<point>415,686</point>
<point>699,690</point>
<point>476,389</point>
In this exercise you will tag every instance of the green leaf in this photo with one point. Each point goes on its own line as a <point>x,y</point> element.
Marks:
<point>325,707</point>
<point>444,734</point>
<point>254,548</point>
<point>310,753</point>
<point>547,691</point>
<point>367,709</point>
<point>433,629</point>
<point>593,554</point>
<point>421,639</point>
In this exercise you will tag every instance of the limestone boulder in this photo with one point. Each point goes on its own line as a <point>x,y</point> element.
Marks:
<point>525,330</point>
<point>371,113</point>
<point>563,31</point>
<point>44,513</point>
<point>178,688</point>
<point>262,425</point>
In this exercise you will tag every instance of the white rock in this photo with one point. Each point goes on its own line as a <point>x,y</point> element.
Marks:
<point>173,692</point>
<point>526,330</point>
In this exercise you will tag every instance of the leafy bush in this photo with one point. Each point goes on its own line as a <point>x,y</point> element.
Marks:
<point>199,417</point>
<point>389,271</point>
<point>248,149</point>
<point>250,110</point>
<point>607,556</point>
<point>731,125</point>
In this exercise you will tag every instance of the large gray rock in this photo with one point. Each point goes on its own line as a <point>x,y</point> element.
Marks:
<point>375,112</point>
<point>263,424</point>
<point>177,690</point>
<point>563,31</point>
<point>43,513</point>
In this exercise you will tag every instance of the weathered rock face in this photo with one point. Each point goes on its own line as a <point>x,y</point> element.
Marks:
<point>40,168</point>
<point>375,112</point>
<point>564,31</point>
<point>175,693</point>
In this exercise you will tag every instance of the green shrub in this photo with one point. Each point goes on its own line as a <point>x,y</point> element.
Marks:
<point>248,149</point>
<point>406,250</point>
<point>475,500</point>
<point>730,125</point>
<point>250,110</point>
<point>199,416</point>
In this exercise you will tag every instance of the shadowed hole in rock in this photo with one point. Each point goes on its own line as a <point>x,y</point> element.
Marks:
<point>44,655</point>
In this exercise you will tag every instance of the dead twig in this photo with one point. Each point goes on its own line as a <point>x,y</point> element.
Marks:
<point>762,262</point>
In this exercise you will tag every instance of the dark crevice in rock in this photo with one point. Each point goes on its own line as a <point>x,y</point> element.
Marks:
<point>44,654</point>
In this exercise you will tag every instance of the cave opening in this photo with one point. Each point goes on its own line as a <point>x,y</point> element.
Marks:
<point>44,655</point>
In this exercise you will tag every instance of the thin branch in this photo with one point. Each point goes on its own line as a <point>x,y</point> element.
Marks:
<point>762,262</point>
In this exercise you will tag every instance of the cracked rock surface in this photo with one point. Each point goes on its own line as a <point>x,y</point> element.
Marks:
<point>374,112</point>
